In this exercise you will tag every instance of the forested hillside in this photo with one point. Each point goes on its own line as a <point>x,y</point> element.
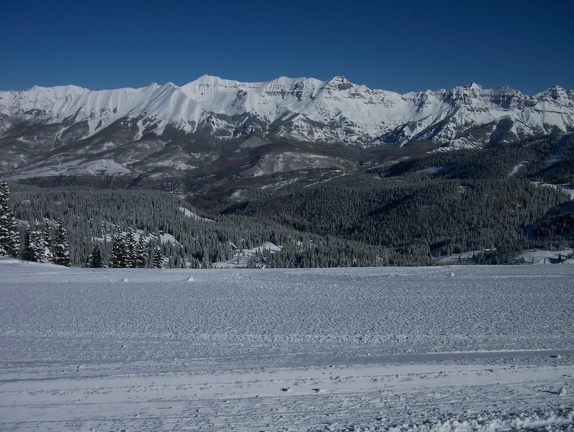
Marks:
<point>95,217</point>
<point>495,201</point>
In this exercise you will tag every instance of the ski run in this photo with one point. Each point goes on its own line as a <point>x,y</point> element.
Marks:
<point>450,348</point>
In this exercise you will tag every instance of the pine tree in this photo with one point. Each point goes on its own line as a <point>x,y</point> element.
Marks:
<point>61,247</point>
<point>9,234</point>
<point>131,252</point>
<point>38,250</point>
<point>141,253</point>
<point>95,258</point>
<point>119,257</point>
<point>157,258</point>
<point>27,250</point>
<point>48,242</point>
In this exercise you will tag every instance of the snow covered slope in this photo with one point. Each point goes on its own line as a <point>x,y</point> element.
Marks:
<point>375,349</point>
<point>342,110</point>
<point>56,122</point>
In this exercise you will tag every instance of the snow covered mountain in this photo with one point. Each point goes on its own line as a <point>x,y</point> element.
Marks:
<point>165,130</point>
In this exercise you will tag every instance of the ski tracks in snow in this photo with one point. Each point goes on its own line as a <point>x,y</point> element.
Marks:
<point>431,349</point>
<point>475,395</point>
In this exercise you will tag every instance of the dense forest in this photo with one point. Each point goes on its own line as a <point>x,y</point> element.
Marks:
<point>495,201</point>
<point>97,220</point>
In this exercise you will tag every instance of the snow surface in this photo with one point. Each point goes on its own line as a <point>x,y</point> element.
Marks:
<point>194,216</point>
<point>540,256</point>
<point>379,349</point>
<point>93,167</point>
<point>566,188</point>
<point>532,256</point>
<point>242,256</point>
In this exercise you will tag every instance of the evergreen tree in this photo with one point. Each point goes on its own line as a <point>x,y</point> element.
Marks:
<point>61,247</point>
<point>48,242</point>
<point>9,234</point>
<point>38,250</point>
<point>141,253</point>
<point>95,258</point>
<point>119,257</point>
<point>157,258</point>
<point>130,249</point>
<point>27,250</point>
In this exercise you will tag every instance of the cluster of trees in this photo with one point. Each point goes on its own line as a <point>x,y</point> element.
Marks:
<point>9,232</point>
<point>127,252</point>
<point>102,224</point>
<point>45,243</point>
<point>150,228</point>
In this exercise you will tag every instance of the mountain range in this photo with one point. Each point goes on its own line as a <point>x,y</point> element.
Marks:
<point>214,129</point>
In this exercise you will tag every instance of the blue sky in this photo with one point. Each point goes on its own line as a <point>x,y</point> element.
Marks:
<point>392,45</point>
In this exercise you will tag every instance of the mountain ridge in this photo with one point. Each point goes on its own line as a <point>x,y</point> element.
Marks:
<point>43,130</point>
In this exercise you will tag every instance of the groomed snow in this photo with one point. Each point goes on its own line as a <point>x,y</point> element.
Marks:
<point>379,349</point>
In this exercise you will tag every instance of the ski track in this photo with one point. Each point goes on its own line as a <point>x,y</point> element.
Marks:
<point>384,349</point>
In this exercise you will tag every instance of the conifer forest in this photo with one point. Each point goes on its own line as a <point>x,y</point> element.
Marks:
<point>496,201</point>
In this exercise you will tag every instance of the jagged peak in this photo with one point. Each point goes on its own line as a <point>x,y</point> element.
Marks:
<point>338,79</point>
<point>557,88</point>
<point>473,86</point>
<point>506,91</point>
<point>338,82</point>
<point>555,93</point>
<point>466,89</point>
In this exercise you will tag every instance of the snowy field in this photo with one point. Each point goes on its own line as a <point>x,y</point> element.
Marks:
<point>378,349</point>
